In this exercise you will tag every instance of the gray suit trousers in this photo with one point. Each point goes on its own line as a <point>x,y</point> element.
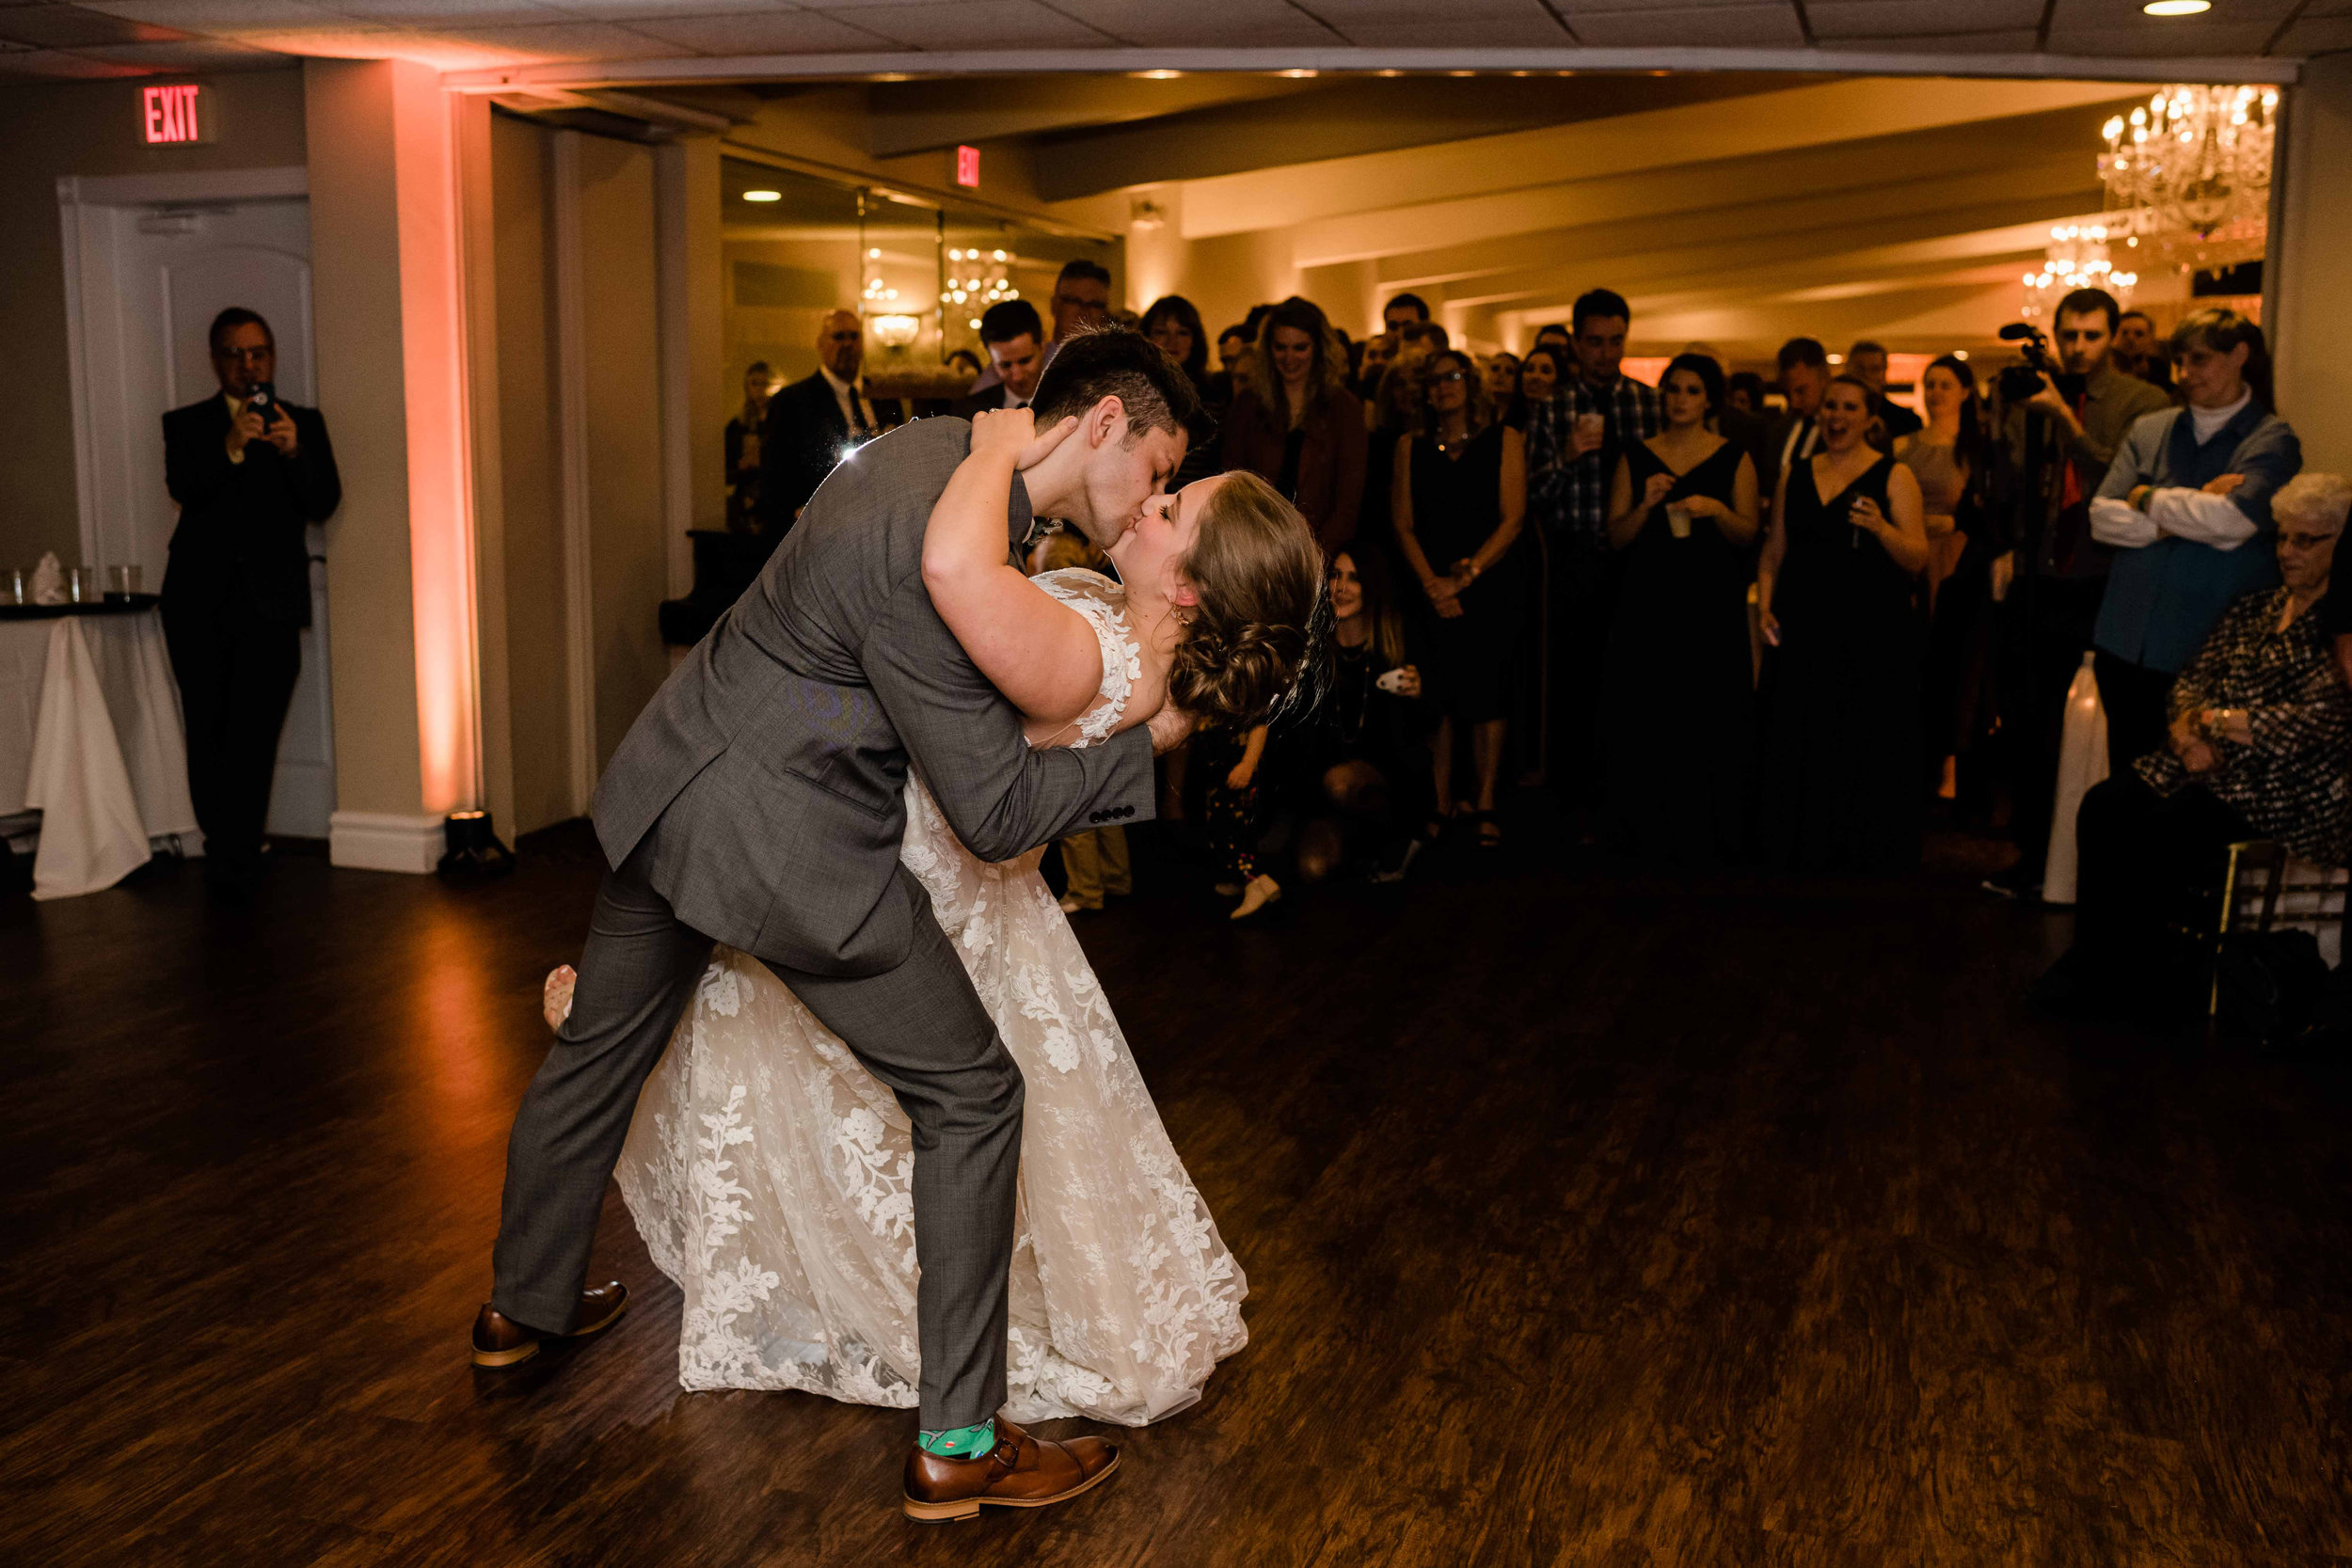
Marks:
<point>919,1028</point>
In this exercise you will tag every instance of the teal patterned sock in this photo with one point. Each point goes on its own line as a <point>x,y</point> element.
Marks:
<point>961,1442</point>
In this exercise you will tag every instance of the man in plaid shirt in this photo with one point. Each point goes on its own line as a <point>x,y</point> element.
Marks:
<point>1575,440</point>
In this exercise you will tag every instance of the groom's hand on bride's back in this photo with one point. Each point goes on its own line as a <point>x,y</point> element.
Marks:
<point>1170,728</point>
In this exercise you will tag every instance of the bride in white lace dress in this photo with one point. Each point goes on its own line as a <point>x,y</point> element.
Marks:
<point>769,1172</point>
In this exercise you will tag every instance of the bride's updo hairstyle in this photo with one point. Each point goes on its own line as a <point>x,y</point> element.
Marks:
<point>1258,626</point>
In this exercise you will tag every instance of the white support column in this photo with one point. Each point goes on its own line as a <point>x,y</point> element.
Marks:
<point>571,413</point>
<point>693,345</point>
<point>388,270</point>
<point>2309,268</point>
<point>478,275</point>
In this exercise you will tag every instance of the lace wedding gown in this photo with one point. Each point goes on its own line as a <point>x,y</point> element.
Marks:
<point>771,1174</point>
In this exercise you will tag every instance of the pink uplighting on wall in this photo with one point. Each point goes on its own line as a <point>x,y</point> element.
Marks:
<point>441,490</point>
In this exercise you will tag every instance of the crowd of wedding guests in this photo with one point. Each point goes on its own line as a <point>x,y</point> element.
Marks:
<point>1732,620</point>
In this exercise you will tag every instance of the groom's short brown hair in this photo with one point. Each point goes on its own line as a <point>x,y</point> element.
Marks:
<point>1113,362</point>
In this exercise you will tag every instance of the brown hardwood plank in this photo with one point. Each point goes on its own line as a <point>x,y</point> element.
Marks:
<point>1589,1219</point>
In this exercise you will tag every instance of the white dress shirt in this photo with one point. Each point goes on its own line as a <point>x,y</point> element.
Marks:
<point>850,396</point>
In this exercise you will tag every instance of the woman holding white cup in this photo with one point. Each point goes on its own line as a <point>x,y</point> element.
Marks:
<point>1676,697</point>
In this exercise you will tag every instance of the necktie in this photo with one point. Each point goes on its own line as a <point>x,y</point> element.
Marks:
<point>859,423</point>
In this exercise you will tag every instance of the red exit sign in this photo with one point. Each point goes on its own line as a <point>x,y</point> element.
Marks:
<point>968,167</point>
<point>172,115</point>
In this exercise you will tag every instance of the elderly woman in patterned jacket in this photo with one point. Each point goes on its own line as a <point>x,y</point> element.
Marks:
<point>2258,746</point>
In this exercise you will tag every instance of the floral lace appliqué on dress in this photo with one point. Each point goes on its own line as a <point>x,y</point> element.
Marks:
<point>772,1176</point>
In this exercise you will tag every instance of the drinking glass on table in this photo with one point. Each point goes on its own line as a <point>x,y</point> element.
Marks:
<point>82,585</point>
<point>15,589</point>
<point>122,582</point>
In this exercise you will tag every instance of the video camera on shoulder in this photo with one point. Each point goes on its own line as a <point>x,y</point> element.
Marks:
<point>2021,383</point>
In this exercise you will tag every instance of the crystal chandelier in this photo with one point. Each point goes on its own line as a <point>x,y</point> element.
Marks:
<point>975,280</point>
<point>2077,259</point>
<point>2188,175</point>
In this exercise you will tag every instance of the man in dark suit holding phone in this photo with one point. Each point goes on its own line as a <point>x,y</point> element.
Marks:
<point>249,473</point>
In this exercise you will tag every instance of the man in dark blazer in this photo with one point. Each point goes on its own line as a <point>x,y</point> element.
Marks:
<point>249,473</point>
<point>1795,433</point>
<point>812,424</point>
<point>1013,335</point>
<point>757,801</point>
<point>1867,360</point>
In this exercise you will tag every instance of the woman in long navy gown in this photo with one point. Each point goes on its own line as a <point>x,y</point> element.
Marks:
<point>1678,693</point>
<point>1837,589</point>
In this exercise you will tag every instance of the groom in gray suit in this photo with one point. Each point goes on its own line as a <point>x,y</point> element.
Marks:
<point>757,801</point>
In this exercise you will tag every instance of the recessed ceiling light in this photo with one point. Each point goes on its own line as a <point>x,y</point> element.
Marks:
<point>1294,74</point>
<point>2176,8</point>
<point>763,196</point>
<point>1159,75</point>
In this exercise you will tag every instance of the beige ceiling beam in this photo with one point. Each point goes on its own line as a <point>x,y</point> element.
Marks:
<point>1709,242</point>
<point>1500,232</point>
<point>1983,259</point>
<point>901,64</point>
<point>1811,115</point>
<point>927,116</point>
<point>1661,270</point>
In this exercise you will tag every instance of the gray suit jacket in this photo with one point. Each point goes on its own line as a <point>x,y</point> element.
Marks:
<point>775,757</point>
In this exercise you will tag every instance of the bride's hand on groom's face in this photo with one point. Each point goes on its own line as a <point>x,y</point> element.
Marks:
<point>1013,433</point>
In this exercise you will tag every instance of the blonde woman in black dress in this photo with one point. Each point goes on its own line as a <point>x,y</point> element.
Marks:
<point>1836,593</point>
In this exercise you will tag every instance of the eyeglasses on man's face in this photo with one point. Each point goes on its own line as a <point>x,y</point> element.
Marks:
<point>253,355</point>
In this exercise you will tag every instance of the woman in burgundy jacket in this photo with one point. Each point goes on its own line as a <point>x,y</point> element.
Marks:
<point>1303,430</point>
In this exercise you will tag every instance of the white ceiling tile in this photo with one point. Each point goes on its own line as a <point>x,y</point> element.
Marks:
<point>563,40</point>
<point>1476,32</point>
<point>2315,35</point>
<point>975,24</point>
<point>191,55</point>
<point>622,10</point>
<point>758,33</point>
<point>55,65</point>
<point>1574,8</point>
<point>447,14</point>
<point>1835,18</point>
<point>1692,27</point>
<point>2015,41</point>
<point>210,16</point>
<point>1343,14</point>
<point>2215,38</point>
<point>353,41</point>
<point>1262,22</point>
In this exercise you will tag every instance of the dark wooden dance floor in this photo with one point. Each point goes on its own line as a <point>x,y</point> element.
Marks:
<point>1588,1221</point>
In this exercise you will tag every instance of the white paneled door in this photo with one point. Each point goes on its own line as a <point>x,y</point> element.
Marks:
<point>148,269</point>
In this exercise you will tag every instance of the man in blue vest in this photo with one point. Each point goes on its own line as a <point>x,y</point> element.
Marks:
<point>2186,507</point>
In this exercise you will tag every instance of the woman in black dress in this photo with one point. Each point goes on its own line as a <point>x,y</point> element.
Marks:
<point>1363,771</point>
<point>1459,495</point>
<point>1677,696</point>
<point>1836,593</point>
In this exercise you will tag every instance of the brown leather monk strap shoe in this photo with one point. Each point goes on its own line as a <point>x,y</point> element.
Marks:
<point>1021,1471</point>
<point>498,1341</point>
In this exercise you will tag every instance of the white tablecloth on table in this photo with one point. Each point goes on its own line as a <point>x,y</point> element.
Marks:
<point>2082,762</point>
<point>90,737</point>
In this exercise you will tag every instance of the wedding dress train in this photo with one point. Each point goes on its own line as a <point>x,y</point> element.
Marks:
<point>771,1174</point>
